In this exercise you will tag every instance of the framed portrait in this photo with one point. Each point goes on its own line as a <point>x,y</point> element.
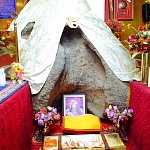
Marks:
<point>74,104</point>
<point>123,9</point>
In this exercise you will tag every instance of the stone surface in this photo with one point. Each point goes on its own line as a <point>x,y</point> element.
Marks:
<point>77,69</point>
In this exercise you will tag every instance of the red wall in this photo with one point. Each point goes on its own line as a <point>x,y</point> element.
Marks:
<point>6,60</point>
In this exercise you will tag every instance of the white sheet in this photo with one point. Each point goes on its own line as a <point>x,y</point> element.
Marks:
<point>38,52</point>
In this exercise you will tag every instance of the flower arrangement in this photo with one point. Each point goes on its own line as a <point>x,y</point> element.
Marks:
<point>7,42</point>
<point>47,115</point>
<point>115,25</point>
<point>17,71</point>
<point>139,42</point>
<point>115,115</point>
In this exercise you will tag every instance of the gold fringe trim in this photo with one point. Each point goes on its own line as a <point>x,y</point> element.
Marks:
<point>129,94</point>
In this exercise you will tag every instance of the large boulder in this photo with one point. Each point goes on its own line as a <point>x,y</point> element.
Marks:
<point>77,69</point>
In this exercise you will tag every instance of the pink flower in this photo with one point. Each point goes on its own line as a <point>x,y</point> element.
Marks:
<point>107,110</point>
<point>115,115</point>
<point>121,118</point>
<point>132,39</point>
<point>37,115</point>
<point>115,107</point>
<point>47,115</point>
<point>114,120</point>
<point>43,111</point>
<point>125,112</point>
<point>58,117</point>
<point>130,111</point>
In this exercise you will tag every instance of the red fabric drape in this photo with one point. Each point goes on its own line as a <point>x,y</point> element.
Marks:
<point>139,127</point>
<point>16,121</point>
<point>107,10</point>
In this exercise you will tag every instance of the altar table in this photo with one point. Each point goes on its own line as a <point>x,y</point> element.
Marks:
<point>138,127</point>
<point>16,119</point>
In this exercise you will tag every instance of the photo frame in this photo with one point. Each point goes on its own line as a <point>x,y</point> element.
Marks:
<point>123,10</point>
<point>74,104</point>
<point>84,141</point>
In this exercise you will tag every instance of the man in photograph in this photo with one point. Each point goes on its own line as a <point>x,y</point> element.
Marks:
<point>74,109</point>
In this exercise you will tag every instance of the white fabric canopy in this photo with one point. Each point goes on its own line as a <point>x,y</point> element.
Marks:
<point>38,52</point>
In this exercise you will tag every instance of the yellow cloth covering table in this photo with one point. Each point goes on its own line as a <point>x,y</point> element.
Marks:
<point>83,123</point>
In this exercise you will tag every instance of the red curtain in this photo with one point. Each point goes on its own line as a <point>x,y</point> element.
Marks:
<point>108,8</point>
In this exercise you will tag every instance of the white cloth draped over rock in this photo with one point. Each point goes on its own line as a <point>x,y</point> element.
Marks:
<point>38,52</point>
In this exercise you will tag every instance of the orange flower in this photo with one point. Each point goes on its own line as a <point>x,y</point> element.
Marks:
<point>8,22</point>
<point>18,70</point>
